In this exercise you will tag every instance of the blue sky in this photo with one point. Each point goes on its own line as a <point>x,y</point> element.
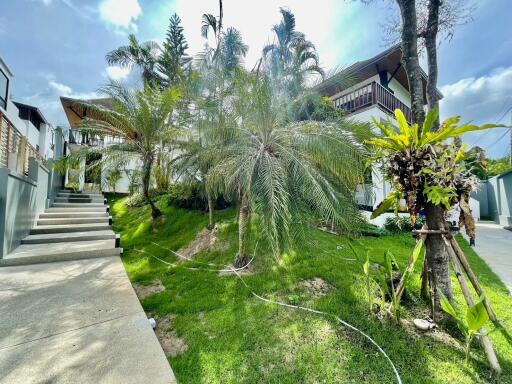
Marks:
<point>57,47</point>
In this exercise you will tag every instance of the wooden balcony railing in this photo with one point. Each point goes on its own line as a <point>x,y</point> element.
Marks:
<point>13,142</point>
<point>372,94</point>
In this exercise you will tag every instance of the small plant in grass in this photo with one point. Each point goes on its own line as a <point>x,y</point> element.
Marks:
<point>366,270</point>
<point>468,323</point>
<point>389,275</point>
<point>387,279</point>
<point>112,178</point>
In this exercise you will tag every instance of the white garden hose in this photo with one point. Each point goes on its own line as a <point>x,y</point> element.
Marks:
<point>236,272</point>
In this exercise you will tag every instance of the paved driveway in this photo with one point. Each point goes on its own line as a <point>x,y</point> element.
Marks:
<point>76,322</point>
<point>494,245</point>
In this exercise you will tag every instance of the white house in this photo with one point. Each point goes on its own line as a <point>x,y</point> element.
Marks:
<point>77,139</point>
<point>24,131</point>
<point>372,88</point>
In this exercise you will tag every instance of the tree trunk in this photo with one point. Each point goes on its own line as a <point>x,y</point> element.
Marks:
<point>410,57</point>
<point>241,259</point>
<point>431,47</point>
<point>437,256</point>
<point>146,179</point>
<point>211,206</point>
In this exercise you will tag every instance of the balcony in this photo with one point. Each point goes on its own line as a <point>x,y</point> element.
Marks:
<point>15,149</point>
<point>369,95</point>
<point>85,138</point>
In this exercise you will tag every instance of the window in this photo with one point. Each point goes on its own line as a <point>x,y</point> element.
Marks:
<point>4,85</point>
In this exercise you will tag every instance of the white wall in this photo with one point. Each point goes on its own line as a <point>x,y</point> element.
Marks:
<point>400,92</point>
<point>123,185</point>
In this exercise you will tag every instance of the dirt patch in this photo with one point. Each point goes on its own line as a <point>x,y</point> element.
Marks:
<point>144,291</point>
<point>169,340</point>
<point>205,240</point>
<point>316,286</point>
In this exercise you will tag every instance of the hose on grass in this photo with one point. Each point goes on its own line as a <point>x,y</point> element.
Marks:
<point>236,271</point>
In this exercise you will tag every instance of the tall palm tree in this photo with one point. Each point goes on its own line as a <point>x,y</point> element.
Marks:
<point>288,174</point>
<point>290,57</point>
<point>216,67</point>
<point>139,119</point>
<point>144,56</point>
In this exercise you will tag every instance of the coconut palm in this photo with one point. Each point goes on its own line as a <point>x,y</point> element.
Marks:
<point>141,55</point>
<point>140,120</point>
<point>288,174</point>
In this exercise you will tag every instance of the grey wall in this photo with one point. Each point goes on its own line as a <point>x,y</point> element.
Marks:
<point>22,198</point>
<point>481,196</point>
<point>498,198</point>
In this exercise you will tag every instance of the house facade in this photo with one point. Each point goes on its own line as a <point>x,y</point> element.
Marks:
<point>24,131</point>
<point>85,180</point>
<point>368,89</point>
<point>27,184</point>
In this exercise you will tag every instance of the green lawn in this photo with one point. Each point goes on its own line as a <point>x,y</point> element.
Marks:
<point>232,337</point>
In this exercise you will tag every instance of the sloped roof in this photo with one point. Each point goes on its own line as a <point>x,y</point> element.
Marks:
<point>76,114</point>
<point>389,60</point>
<point>32,109</point>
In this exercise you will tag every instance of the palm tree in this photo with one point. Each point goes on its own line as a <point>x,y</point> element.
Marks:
<point>288,174</point>
<point>291,57</point>
<point>141,55</point>
<point>140,120</point>
<point>216,67</point>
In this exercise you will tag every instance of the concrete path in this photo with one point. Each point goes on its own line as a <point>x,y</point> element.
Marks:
<point>494,245</point>
<point>76,322</point>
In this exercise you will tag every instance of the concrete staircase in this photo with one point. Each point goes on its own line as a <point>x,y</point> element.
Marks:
<point>76,226</point>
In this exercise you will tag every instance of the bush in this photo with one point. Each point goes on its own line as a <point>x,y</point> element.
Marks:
<point>186,195</point>
<point>372,230</point>
<point>402,224</point>
<point>190,196</point>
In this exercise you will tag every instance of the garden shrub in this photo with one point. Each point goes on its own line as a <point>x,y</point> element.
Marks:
<point>402,224</point>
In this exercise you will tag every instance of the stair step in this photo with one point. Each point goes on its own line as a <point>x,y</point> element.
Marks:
<point>86,195</point>
<point>73,220</point>
<point>78,200</point>
<point>78,210</point>
<point>64,228</point>
<point>68,237</point>
<point>73,214</point>
<point>77,205</point>
<point>52,252</point>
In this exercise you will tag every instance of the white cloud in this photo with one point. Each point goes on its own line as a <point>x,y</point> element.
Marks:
<point>48,100</point>
<point>117,73</point>
<point>60,88</point>
<point>120,13</point>
<point>483,99</point>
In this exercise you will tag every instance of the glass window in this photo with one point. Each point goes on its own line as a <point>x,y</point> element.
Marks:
<point>4,83</point>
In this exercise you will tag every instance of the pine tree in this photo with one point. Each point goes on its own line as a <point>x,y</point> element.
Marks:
<point>174,57</point>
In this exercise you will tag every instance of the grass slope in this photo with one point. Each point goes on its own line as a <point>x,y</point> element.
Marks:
<point>233,337</point>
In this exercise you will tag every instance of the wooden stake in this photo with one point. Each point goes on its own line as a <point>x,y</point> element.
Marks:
<point>484,340</point>
<point>401,284</point>
<point>472,277</point>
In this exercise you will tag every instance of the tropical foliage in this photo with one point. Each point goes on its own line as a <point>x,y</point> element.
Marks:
<point>290,58</point>
<point>470,322</point>
<point>421,165</point>
<point>140,122</point>
<point>288,174</point>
